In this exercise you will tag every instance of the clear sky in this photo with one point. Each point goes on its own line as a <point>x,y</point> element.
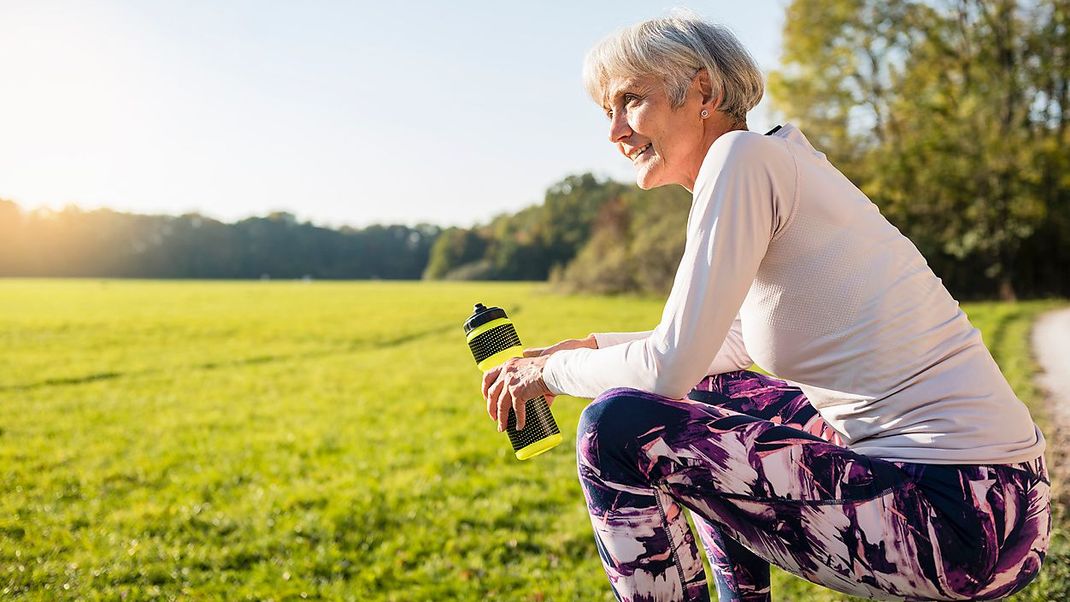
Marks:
<point>339,112</point>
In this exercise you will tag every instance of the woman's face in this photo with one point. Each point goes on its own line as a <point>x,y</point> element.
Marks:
<point>665,145</point>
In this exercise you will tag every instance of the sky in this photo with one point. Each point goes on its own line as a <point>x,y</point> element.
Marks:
<point>342,113</point>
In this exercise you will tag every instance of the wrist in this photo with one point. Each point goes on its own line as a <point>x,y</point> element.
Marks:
<point>548,376</point>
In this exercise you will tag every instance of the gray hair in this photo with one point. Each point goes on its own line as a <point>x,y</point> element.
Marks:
<point>674,49</point>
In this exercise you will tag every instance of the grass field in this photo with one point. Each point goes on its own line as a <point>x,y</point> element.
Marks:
<point>289,440</point>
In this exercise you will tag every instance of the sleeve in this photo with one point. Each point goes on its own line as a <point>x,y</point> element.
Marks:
<point>608,339</point>
<point>742,198</point>
<point>733,353</point>
<point>731,356</point>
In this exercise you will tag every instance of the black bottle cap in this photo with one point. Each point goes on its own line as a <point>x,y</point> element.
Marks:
<point>481,315</point>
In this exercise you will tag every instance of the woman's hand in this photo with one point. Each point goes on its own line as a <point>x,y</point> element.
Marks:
<point>510,385</point>
<point>587,343</point>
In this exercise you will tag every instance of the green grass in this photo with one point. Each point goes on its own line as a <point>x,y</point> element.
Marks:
<point>281,440</point>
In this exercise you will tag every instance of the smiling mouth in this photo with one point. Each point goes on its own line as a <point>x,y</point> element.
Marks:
<point>638,152</point>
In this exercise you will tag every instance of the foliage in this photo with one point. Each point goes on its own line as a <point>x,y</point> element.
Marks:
<point>529,244</point>
<point>280,440</point>
<point>588,235</point>
<point>72,242</point>
<point>454,248</point>
<point>569,213</point>
<point>636,244</point>
<point>604,265</point>
<point>952,117</point>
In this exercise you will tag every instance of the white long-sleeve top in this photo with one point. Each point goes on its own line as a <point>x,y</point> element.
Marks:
<point>788,264</point>
<point>731,356</point>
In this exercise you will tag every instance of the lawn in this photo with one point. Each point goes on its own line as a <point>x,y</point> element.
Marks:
<point>289,440</point>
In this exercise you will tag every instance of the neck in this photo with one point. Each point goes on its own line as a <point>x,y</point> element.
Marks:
<point>713,128</point>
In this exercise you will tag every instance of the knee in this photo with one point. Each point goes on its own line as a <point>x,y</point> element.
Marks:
<point>619,420</point>
<point>602,432</point>
<point>604,407</point>
<point>603,416</point>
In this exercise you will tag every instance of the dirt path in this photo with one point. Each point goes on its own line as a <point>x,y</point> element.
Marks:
<point>1051,344</point>
<point>1051,347</point>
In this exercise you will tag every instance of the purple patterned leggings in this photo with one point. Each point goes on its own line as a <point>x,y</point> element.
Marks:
<point>768,482</point>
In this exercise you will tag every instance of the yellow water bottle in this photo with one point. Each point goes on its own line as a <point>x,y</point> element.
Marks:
<point>493,340</point>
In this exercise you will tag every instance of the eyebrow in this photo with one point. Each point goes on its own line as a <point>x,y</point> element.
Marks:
<point>619,90</point>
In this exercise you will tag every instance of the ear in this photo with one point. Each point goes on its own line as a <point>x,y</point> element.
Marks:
<point>701,83</point>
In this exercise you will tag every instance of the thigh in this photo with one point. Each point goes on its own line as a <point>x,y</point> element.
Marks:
<point>850,522</point>
<point>847,521</point>
<point>985,538</point>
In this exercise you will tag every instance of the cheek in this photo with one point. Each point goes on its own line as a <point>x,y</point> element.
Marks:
<point>643,120</point>
<point>635,122</point>
<point>672,143</point>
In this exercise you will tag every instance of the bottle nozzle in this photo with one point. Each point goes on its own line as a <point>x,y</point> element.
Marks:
<point>481,315</point>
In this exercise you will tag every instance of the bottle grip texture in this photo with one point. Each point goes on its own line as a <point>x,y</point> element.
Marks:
<point>493,341</point>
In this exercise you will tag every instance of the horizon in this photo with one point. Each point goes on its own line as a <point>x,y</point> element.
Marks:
<point>47,209</point>
<point>239,111</point>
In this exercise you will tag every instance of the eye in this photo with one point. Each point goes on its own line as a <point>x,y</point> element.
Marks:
<point>626,100</point>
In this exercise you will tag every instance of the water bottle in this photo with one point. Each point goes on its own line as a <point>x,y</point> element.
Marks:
<point>493,340</point>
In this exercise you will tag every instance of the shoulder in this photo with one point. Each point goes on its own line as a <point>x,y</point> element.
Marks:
<point>744,143</point>
<point>744,152</point>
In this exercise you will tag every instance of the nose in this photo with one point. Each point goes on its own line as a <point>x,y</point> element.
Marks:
<point>618,127</point>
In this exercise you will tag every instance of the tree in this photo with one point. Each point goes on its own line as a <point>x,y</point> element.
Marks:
<point>569,211</point>
<point>951,116</point>
<point>528,244</point>
<point>605,264</point>
<point>635,245</point>
<point>455,247</point>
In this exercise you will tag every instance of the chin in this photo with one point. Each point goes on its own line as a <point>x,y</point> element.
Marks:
<point>646,180</point>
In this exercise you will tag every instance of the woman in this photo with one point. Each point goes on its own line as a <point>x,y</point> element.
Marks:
<point>889,460</point>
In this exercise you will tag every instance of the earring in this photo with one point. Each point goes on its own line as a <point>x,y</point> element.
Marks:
<point>704,114</point>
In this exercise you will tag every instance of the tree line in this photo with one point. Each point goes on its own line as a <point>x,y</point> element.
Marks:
<point>105,243</point>
<point>588,235</point>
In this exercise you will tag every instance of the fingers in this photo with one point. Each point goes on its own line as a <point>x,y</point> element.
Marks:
<point>502,405</point>
<point>502,399</point>
<point>520,407</point>
<point>510,386</point>
<point>559,346</point>
<point>488,379</point>
<point>492,399</point>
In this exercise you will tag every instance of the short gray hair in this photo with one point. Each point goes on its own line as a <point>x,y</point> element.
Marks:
<point>674,49</point>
